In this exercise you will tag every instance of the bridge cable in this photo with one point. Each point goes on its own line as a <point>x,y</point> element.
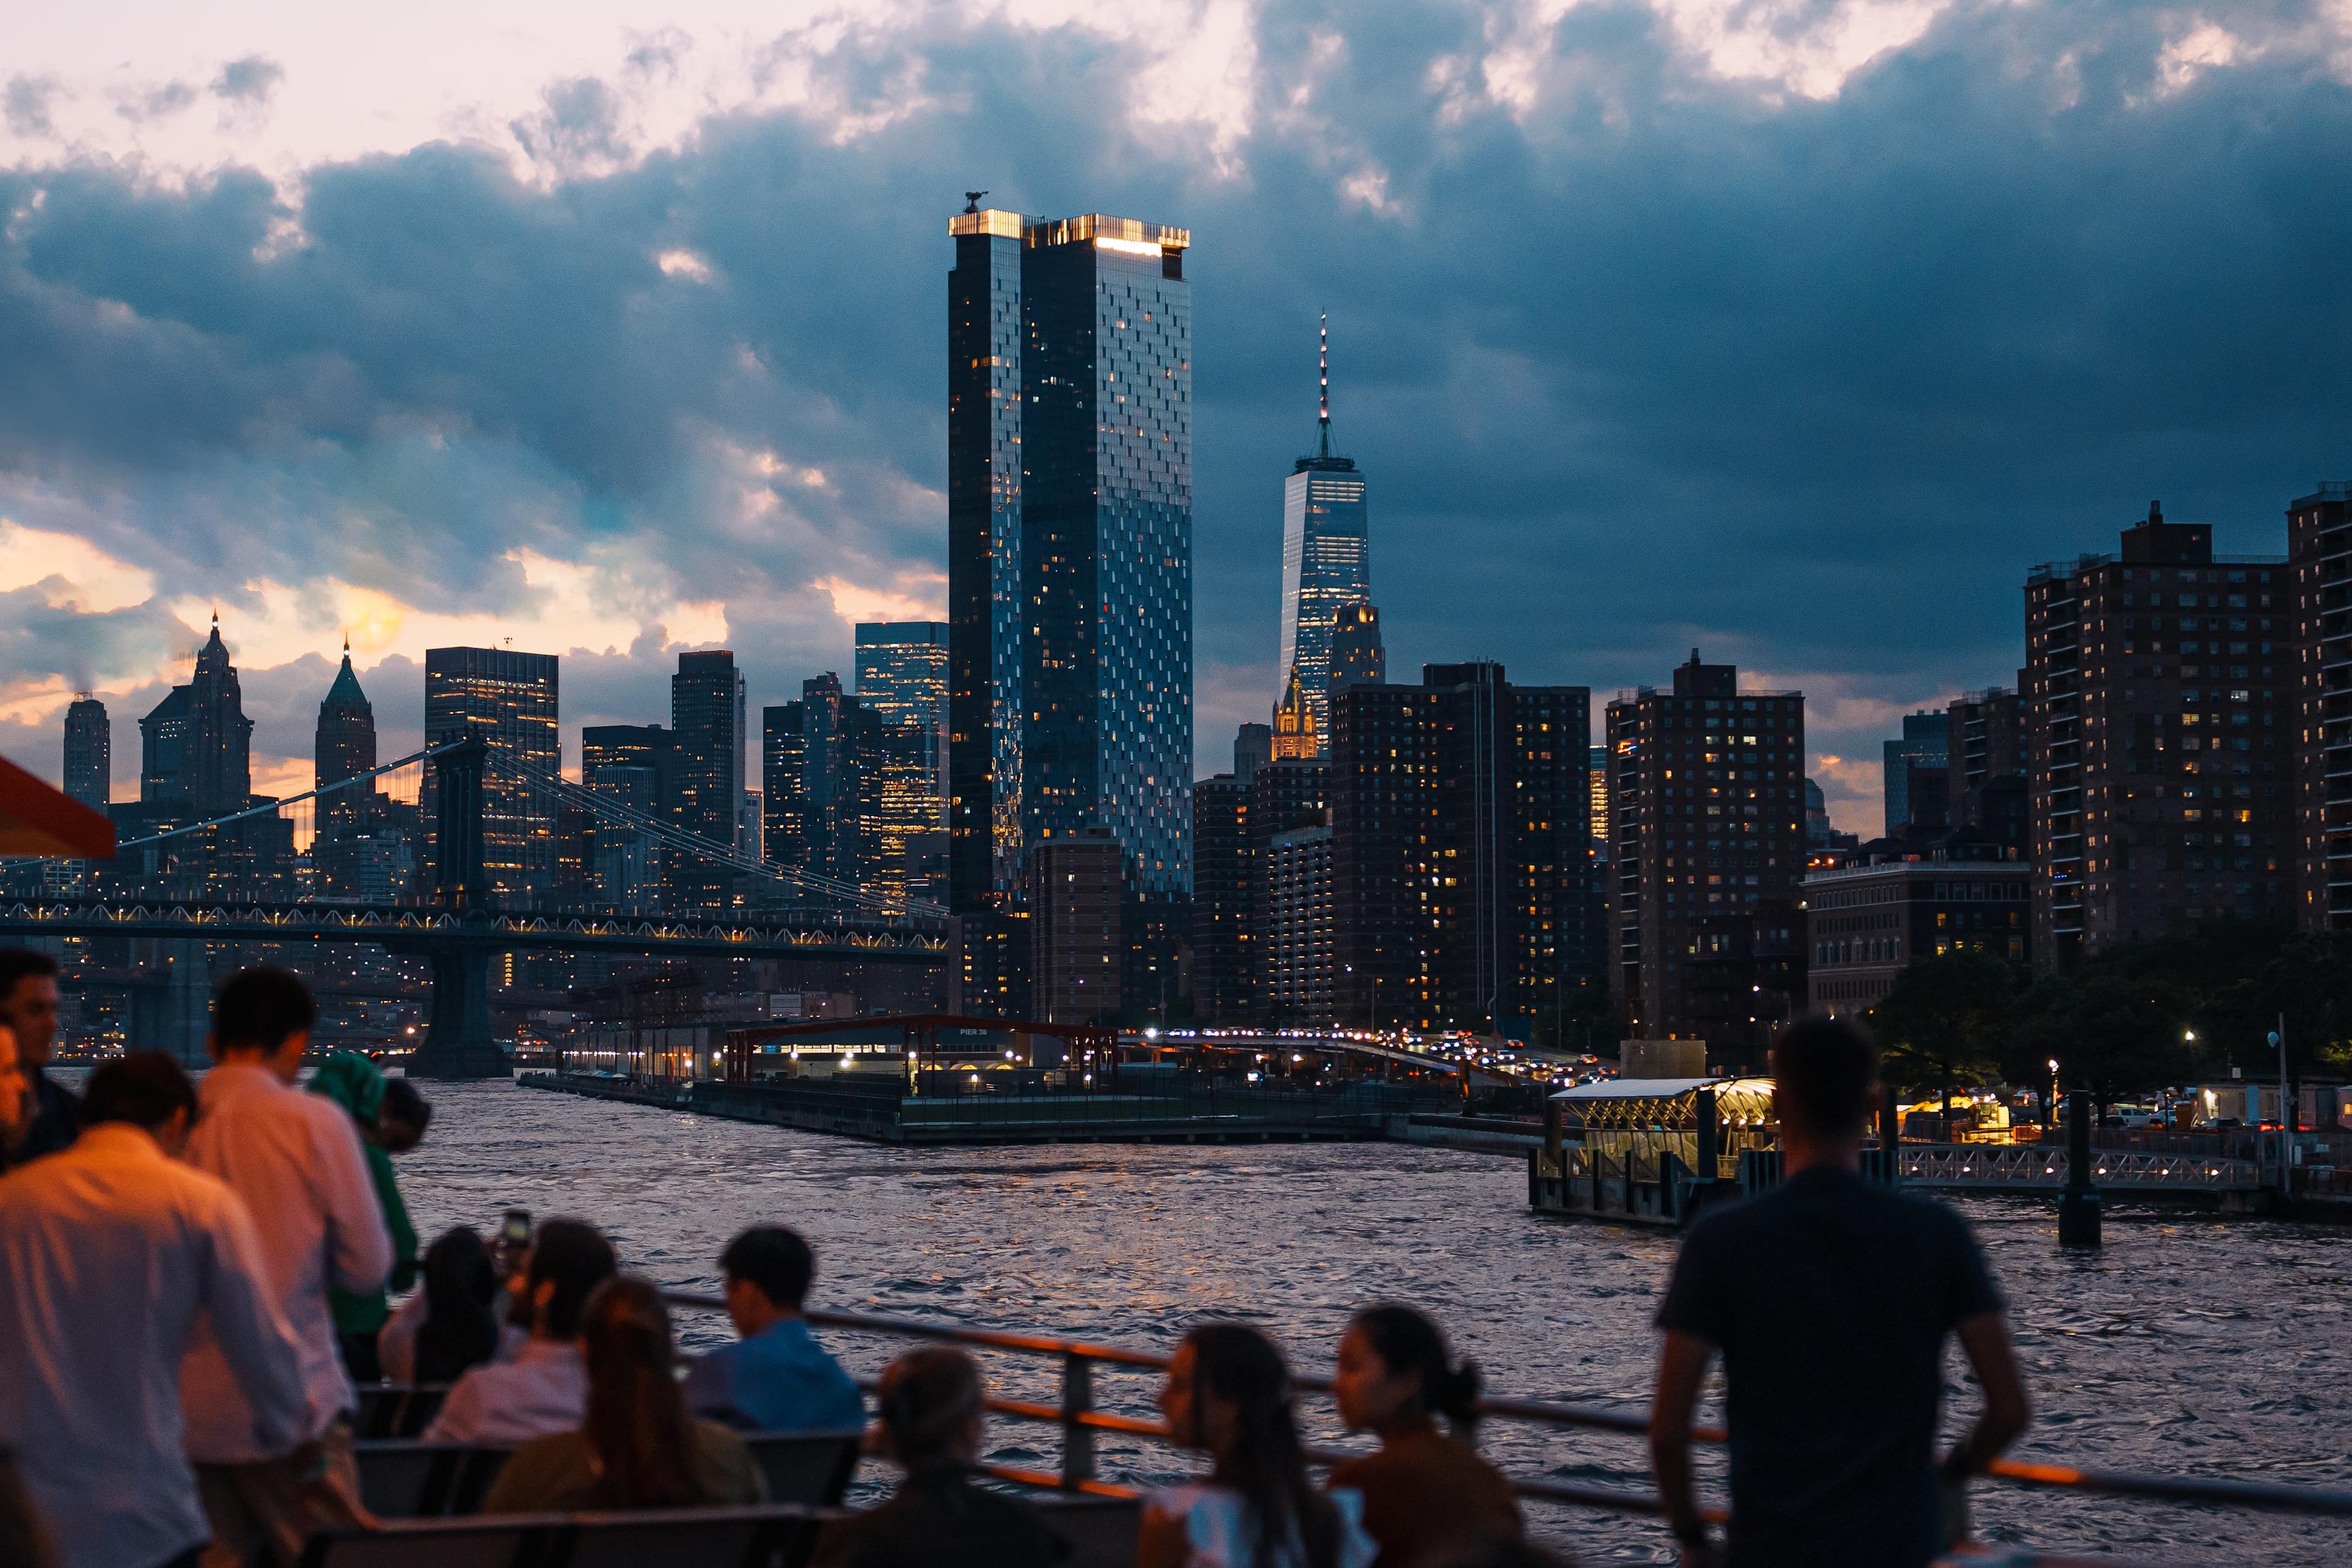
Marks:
<point>271,808</point>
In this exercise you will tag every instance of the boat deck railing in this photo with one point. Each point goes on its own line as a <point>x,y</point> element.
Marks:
<point>1077,1415</point>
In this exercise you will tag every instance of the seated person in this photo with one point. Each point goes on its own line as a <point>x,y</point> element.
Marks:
<point>636,1448</point>
<point>1424,1487</point>
<point>449,1325</point>
<point>545,1388</point>
<point>933,1425</point>
<point>777,1378</point>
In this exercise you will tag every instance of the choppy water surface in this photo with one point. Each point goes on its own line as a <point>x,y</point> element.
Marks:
<point>2187,1345</point>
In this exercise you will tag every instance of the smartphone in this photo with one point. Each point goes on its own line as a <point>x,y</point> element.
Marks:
<point>516,1234</point>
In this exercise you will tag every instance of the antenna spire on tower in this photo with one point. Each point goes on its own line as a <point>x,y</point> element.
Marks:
<point>1323,386</point>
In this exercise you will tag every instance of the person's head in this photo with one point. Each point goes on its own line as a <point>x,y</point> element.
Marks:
<point>16,1094</point>
<point>1825,1071</point>
<point>568,1258</point>
<point>636,1422</point>
<point>1394,1373</point>
<point>263,1015</point>
<point>28,1004</point>
<point>768,1271</point>
<point>460,1282</point>
<point>932,1415</point>
<point>145,1089</point>
<point>1228,1395</point>
<point>400,1117</point>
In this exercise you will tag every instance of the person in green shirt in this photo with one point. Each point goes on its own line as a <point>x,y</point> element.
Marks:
<point>392,1118</point>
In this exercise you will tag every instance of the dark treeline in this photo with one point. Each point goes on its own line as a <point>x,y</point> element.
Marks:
<point>2134,1016</point>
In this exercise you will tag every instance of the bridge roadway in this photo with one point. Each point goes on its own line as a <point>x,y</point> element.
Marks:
<point>402,926</point>
<point>1328,1044</point>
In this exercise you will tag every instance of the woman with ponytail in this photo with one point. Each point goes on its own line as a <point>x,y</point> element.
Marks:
<point>637,1447</point>
<point>1425,1488</point>
<point>1228,1395</point>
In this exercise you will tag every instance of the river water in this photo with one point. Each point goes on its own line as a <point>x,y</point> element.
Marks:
<point>2187,1345</point>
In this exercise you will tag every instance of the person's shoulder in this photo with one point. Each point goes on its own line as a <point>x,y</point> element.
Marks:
<point>719,1441</point>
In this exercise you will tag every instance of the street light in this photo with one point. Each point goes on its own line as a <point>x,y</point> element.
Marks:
<point>2050,1106</point>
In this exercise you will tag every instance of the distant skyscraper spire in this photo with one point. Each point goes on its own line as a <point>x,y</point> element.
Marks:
<point>1323,387</point>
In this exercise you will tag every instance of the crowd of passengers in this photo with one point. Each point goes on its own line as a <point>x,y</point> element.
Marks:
<point>194,1277</point>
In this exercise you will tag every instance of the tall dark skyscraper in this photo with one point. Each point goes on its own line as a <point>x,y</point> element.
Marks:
<point>1327,555</point>
<point>508,699</point>
<point>197,745</point>
<point>1358,658</point>
<point>1461,850</point>
<point>635,766</point>
<point>705,709</point>
<point>1706,848</point>
<point>2319,544</point>
<point>845,790</point>
<point>89,753</point>
<point>342,747</point>
<point>1070,547</point>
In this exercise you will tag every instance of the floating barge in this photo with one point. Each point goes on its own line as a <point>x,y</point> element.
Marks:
<point>1653,1152</point>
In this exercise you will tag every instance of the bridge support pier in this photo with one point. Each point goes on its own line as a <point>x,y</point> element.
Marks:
<point>457,1040</point>
<point>2078,1205</point>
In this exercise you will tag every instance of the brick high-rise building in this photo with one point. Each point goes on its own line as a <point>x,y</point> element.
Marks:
<point>1358,658</point>
<point>2160,737</point>
<point>1075,896</point>
<point>1460,848</point>
<point>1985,786</point>
<point>2319,551</point>
<point>1706,848</point>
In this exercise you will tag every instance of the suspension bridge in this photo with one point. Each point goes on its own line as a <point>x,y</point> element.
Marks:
<point>459,924</point>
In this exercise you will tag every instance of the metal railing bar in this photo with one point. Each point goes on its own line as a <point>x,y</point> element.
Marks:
<point>1052,1482</point>
<point>2186,1490</point>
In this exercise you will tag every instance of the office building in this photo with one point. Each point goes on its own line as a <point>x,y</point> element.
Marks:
<point>706,730</point>
<point>89,753</point>
<point>1075,895</point>
<point>1327,553</point>
<point>1070,547</point>
<point>1253,748</point>
<point>1296,735</point>
<point>1358,658</point>
<point>197,745</point>
<point>1707,845</point>
<point>1987,788</point>
<point>1461,850</point>
<point>1868,918</point>
<point>343,747</point>
<point>902,675</point>
<point>2319,552</point>
<point>508,701</point>
<point>1222,917</point>
<point>2159,740</point>
<point>846,792</point>
<point>1918,757</point>
<point>633,765</point>
<point>1299,936</point>
<point>1286,794</point>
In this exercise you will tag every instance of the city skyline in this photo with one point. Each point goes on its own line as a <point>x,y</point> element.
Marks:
<point>1716,392</point>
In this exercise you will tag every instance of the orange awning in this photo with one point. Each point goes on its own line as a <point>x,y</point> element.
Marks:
<point>38,820</point>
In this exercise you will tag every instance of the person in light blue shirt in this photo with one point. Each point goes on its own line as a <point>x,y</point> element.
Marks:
<point>776,1378</point>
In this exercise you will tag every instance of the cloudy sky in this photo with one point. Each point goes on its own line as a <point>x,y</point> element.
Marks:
<point>1794,330</point>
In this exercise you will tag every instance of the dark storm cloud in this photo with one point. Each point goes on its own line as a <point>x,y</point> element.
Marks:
<point>1645,359</point>
<point>248,81</point>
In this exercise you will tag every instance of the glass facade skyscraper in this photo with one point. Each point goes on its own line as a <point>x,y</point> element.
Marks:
<point>902,674</point>
<point>1327,555</point>
<point>1070,549</point>
<point>508,699</point>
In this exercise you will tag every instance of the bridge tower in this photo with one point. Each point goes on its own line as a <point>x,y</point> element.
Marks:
<point>457,1040</point>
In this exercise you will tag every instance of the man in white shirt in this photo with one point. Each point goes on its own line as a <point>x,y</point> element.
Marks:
<point>109,1251</point>
<point>545,1388</point>
<point>296,1160</point>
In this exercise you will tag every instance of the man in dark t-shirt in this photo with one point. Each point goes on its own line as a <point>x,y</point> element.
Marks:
<point>1829,1299</point>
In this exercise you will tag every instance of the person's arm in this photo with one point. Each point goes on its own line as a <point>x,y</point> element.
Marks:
<point>1985,1338</point>
<point>359,1248</point>
<point>1682,1369</point>
<point>396,1342</point>
<point>1163,1541</point>
<point>252,1334</point>
<point>459,1418</point>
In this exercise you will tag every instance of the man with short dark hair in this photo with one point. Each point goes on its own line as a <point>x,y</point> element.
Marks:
<point>1829,1299</point>
<point>111,1252</point>
<point>28,1006</point>
<point>776,1378</point>
<point>545,1388</point>
<point>294,1159</point>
